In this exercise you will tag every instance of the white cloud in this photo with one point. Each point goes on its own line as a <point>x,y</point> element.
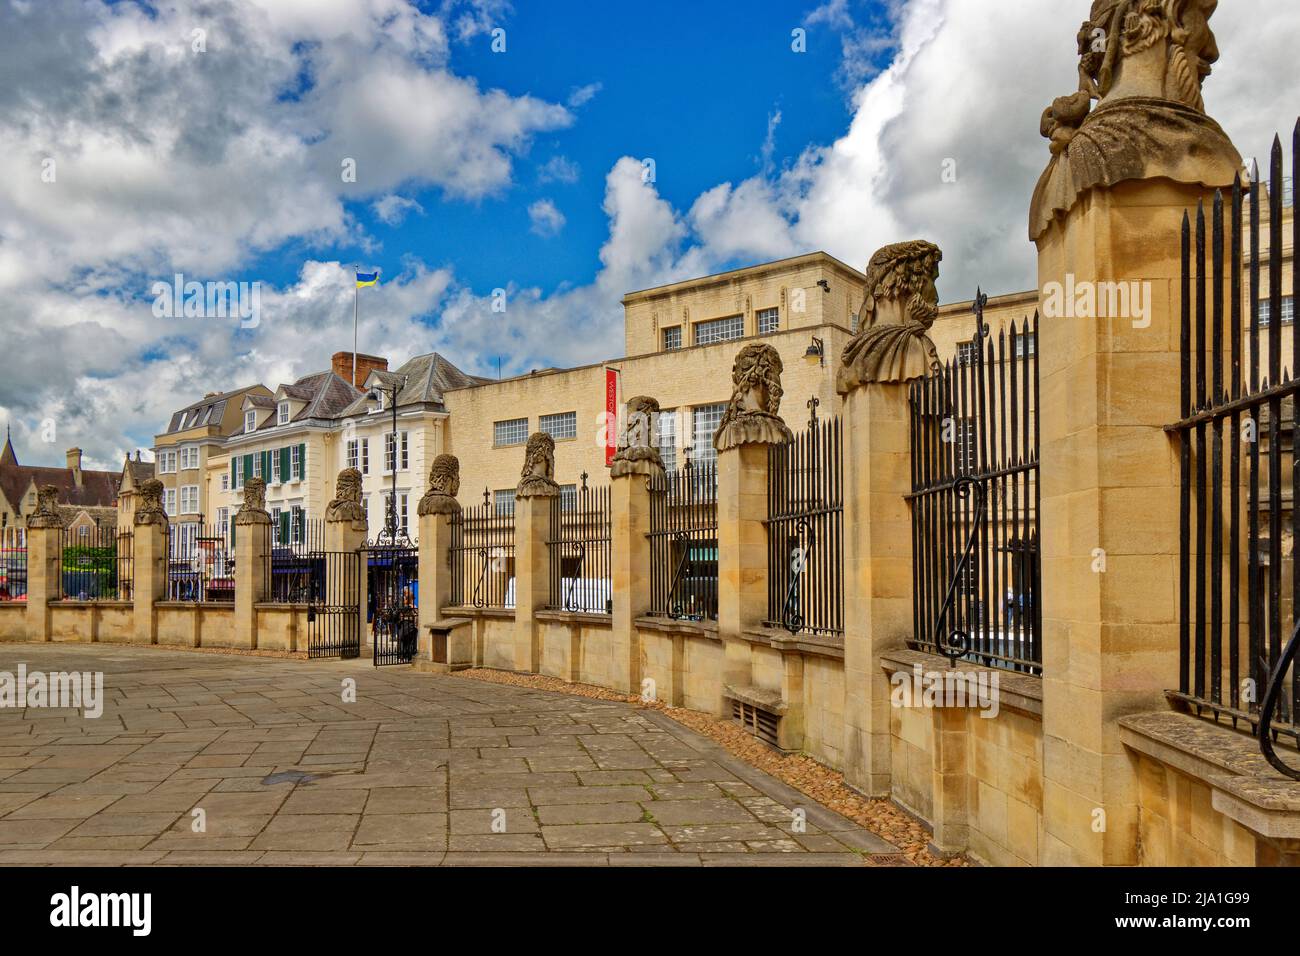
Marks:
<point>546,220</point>
<point>393,209</point>
<point>558,169</point>
<point>583,95</point>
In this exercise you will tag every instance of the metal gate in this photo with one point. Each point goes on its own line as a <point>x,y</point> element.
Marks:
<point>975,495</point>
<point>394,598</point>
<point>334,609</point>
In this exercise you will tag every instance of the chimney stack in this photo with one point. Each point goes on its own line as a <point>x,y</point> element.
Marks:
<point>342,366</point>
<point>74,465</point>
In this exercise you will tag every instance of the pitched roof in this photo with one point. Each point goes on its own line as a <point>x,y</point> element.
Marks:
<point>427,377</point>
<point>140,470</point>
<point>206,411</point>
<point>325,395</point>
<point>98,488</point>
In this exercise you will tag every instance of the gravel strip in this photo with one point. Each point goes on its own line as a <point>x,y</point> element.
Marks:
<point>800,771</point>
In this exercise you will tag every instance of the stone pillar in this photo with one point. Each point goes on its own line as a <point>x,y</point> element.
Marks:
<point>438,509</point>
<point>750,424</point>
<point>252,538</point>
<point>43,553</point>
<point>892,349</point>
<point>635,466</point>
<point>533,497</point>
<point>1109,384</point>
<point>345,539</point>
<point>149,561</point>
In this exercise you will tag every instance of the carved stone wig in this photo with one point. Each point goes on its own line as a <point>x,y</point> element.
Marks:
<point>346,505</point>
<point>444,486</point>
<point>537,480</point>
<point>899,306</point>
<point>753,414</point>
<point>637,454</point>
<point>253,510</point>
<point>46,514</point>
<point>150,510</point>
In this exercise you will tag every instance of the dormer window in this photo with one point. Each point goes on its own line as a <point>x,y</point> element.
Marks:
<point>282,413</point>
<point>250,421</point>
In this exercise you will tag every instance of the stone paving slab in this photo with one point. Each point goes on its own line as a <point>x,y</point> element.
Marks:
<point>205,760</point>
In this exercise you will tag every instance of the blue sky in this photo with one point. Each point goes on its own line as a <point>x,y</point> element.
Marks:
<point>692,85</point>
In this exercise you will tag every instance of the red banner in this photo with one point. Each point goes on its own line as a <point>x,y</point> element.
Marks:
<point>611,415</point>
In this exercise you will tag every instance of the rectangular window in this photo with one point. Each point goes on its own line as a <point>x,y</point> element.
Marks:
<point>563,425</point>
<point>225,482</point>
<point>189,458</point>
<point>504,501</point>
<point>295,462</point>
<point>406,451</point>
<point>568,497</point>
<point>1288,311</point>
<point>673,338</point>
<point>512,432</point>
<point>720,330</point>
<point>223,523</point>
<point>706,419</point>
<point>275,467</point>
<point>250,421</point>
<point>769,320</point>
<point>965,353</point>
<point>257,464</point>
<point>353,461</point>
<point>282,413</point>
<point>277,527</point>
<point>390,454</point>
<point>296,523</point>
<point>668,439</point>
<point>239,472</point>
<point>365,456</point>
<point>169,502</point>
<point>1026,344</point>
<point>190,499</point>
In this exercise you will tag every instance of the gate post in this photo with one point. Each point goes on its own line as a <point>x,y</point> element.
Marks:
<point>437,510</point>
<point>892,349</point>
<point>1107,226</point>
<point>44,530</point>
<point>636,463</point>
<point>148,561</point>
<point>252,534</point>
<point>533,498</point>
<point>345,540</point>
<point>750,424</point>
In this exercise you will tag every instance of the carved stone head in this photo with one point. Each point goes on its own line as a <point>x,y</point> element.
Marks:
<point>1157,48</point>
<point>46,514</point>
<point>637,454</point>
<point>901,285</point>
<point>537,479</point>
<point>753,414</point>
<point>444,486</point>
<point>346,505</point>
<point>150,509</point>
<point>254,495</point>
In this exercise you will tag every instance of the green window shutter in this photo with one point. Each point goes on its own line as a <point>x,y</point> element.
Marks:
<point>248,468</point>
<point>302,458</point>
<point>284,527</point>
<point>232,473</point>
<point>284,464</point>
<point>266,466</point>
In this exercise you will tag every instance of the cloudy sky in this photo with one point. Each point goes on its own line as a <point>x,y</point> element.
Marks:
<point>563,157</point>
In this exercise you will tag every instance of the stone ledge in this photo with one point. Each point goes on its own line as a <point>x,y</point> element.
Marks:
<point>206,605</point>
<point>1018,692</point>
<point>574,617</point>
<point>448,624</point>
<point>500,613</point>
<point>769,700</point>
<point>703,629</point>
<point>73,602</point>
<point>1244,787</point>
<point>810,644</point>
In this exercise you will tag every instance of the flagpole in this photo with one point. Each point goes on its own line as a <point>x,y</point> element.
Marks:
<point>356,294</point>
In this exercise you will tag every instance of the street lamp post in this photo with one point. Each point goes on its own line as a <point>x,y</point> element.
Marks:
<point>393,535</point>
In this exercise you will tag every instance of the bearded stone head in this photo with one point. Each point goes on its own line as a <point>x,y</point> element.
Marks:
<point>900,285</point>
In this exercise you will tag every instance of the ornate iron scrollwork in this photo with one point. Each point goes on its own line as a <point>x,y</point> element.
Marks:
<point>791,619</point>
<point>956,643</point>
<point>1268,708</point>
<point>683,540</point>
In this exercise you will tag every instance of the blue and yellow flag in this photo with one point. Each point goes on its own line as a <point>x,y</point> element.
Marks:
<point>366,278</point>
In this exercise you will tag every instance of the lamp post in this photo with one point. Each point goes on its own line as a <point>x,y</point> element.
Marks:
<point>392,535</point>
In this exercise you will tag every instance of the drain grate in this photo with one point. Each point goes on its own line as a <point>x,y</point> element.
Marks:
<point>759,722</point>
<point>889,859</point>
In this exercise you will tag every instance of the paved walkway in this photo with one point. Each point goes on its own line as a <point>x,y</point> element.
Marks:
<point>421,769</point>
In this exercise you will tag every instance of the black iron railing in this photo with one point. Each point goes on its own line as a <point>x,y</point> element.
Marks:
<point>1237,466</point>
<point>13,572</point>
<point>295,566</point>
<point>684,543</point>
<point>94,564</point>
<point>578,549</point>
<point>200,563</point>
<point>974,500</point>
<point>483,557</point>
<point>334,614</point>
<point>805,530</point>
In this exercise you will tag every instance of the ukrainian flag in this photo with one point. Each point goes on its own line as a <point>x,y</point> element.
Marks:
<point>366,278</point>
